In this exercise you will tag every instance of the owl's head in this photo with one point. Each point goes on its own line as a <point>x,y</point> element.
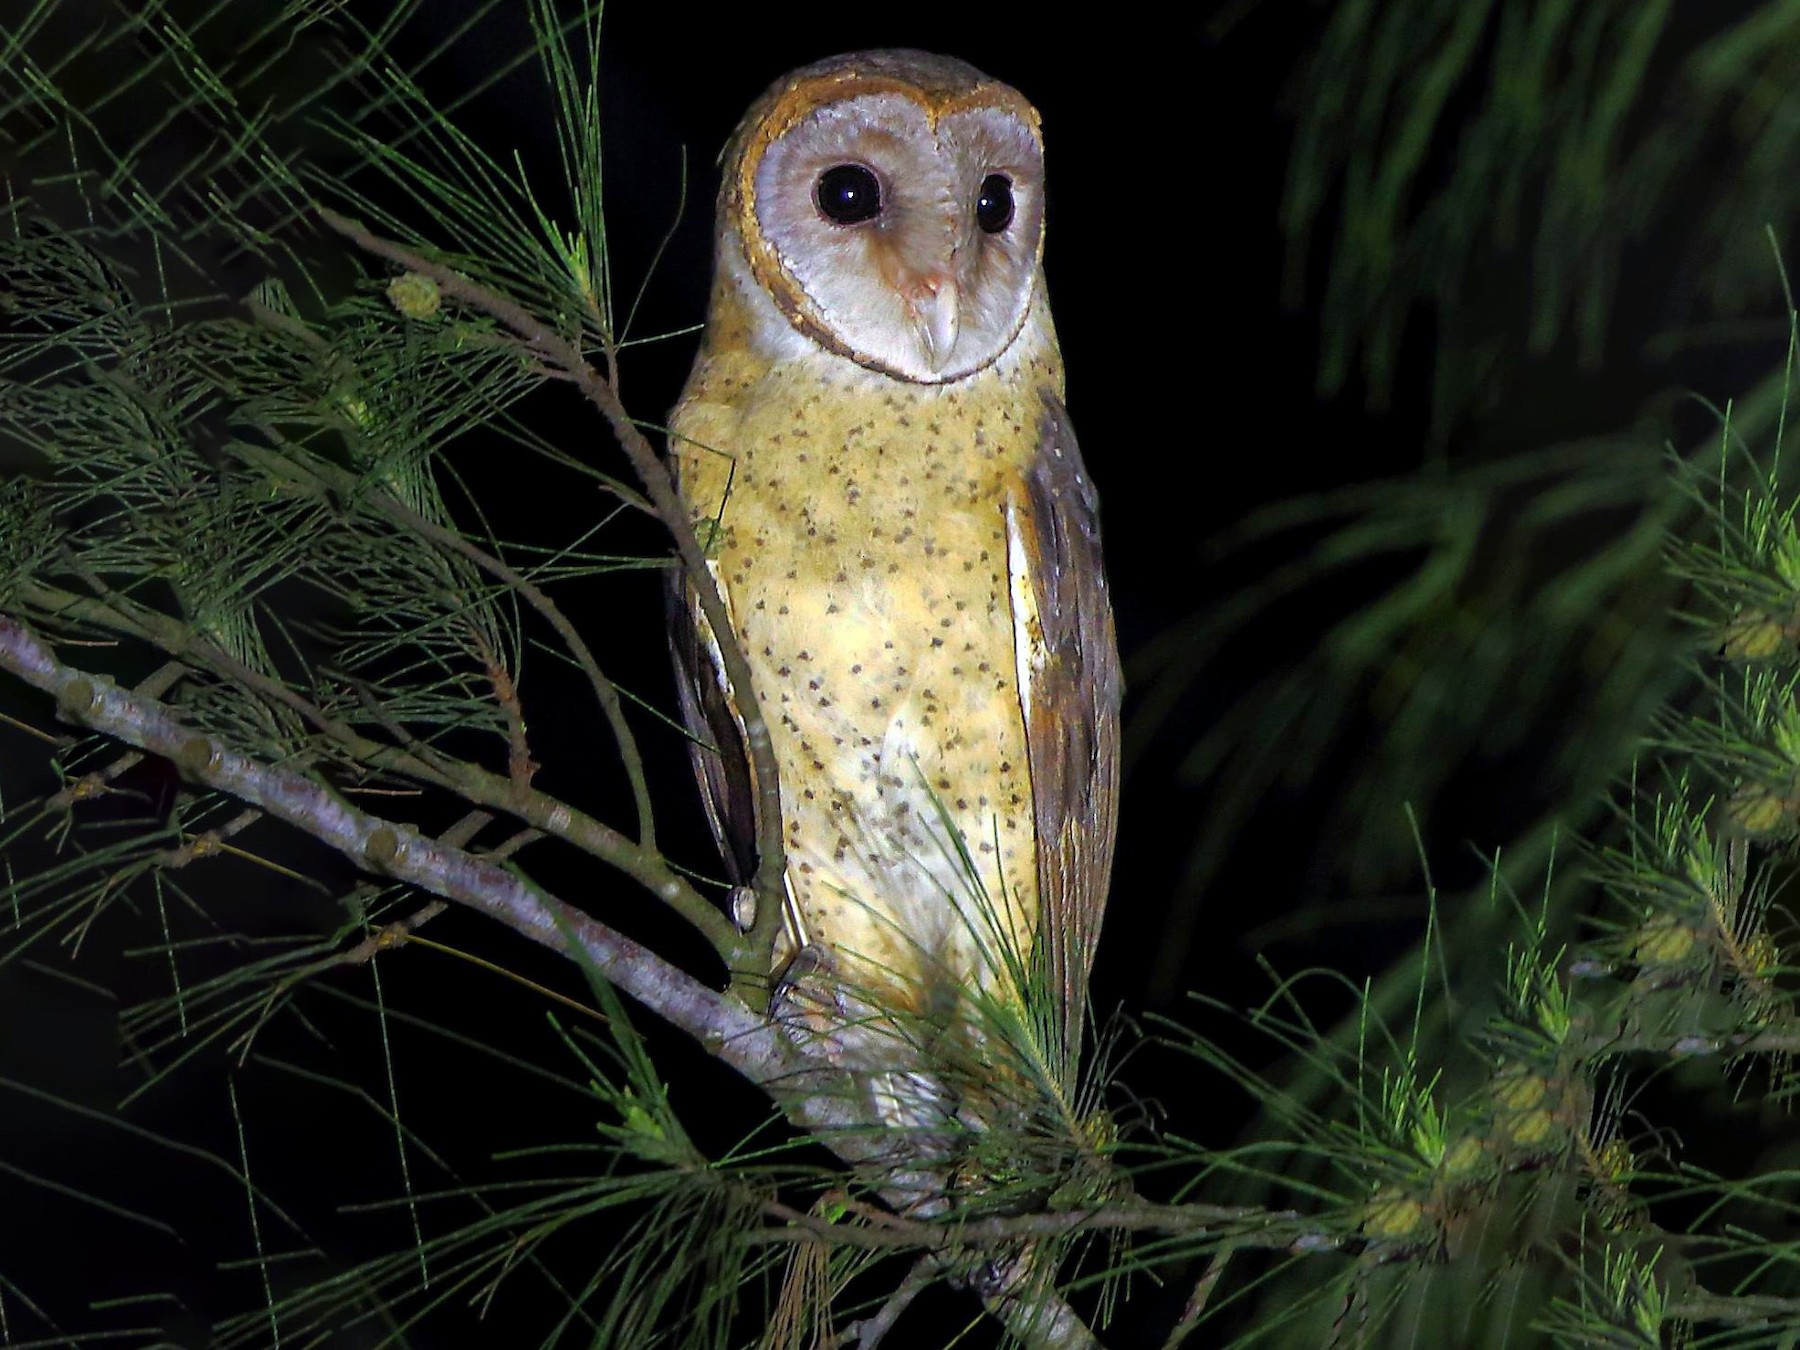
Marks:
<point>891,203</point>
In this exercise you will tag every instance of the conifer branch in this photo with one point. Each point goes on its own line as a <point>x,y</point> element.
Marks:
<point>479,786</point>
<point>814,1095</point>
<point>562,354</point>
<point>1235,1225</point>
<point>725,1026</point>
<point>605,693</point>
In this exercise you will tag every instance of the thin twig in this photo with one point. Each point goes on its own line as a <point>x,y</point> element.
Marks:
<point>207,842</point>
<point>605,692</point>
<point>1278,1229</point>
<point>1196,1304</point>
<point>1734,1308</point>
<point>552,347</point>
<point>153,685</point>
<point>477,785</point>
<point>869,1333</point>
<point>724,1025</point>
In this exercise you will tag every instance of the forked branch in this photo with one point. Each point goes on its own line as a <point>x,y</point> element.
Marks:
<point>566,357</point>
<point>732,1031</point>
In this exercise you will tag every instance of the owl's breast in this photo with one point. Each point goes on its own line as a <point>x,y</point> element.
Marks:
<point>863,547</point>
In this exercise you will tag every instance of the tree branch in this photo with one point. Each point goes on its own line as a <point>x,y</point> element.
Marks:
<point>477,785</point>
<point>724,1025</point>
<point>815,1095</point>
<point>347,485</point>
<point>1274,1229</point>
<point>1039,1316</point>
<point>561,353</point>
<point>869,1333</point>
<point>811,1094</point>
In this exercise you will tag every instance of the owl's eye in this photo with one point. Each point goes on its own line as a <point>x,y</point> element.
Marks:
<point>848,195</point>
<point>994,203</point>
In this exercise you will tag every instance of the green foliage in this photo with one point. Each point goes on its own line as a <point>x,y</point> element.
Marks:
<point>235,481</point>
<point>1606,1162</point>
<point>1537,225</point>
<point>1501,617</point>
<point>1468,145</point>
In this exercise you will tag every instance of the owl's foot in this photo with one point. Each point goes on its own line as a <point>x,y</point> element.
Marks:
<point>809,1004</point>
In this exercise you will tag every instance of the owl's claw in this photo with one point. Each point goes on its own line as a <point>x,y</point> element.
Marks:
<point>799,983</point>
<point>808,1003</point>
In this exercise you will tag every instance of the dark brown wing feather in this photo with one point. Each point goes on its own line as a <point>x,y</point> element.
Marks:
<point>715,730</point>
<point>1072,711</point>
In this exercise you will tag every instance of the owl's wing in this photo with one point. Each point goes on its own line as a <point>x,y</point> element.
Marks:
<point>1070,686</point>
<point>715,728</point>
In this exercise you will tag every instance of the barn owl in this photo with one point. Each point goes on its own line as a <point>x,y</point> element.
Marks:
<point>873,448</point>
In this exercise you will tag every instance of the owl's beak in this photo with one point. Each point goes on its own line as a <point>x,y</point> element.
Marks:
<point>933,301</point>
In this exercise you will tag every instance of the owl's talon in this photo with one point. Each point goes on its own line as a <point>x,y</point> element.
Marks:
<point>798,983</point>
<point>808,1002</point>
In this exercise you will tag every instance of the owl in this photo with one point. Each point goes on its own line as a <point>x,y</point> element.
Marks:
<point>873,448</point>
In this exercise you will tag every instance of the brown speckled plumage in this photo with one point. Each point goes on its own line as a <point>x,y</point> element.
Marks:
<point>880,540</point>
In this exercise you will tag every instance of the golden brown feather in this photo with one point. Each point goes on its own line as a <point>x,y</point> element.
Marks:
<point>873,438</point>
